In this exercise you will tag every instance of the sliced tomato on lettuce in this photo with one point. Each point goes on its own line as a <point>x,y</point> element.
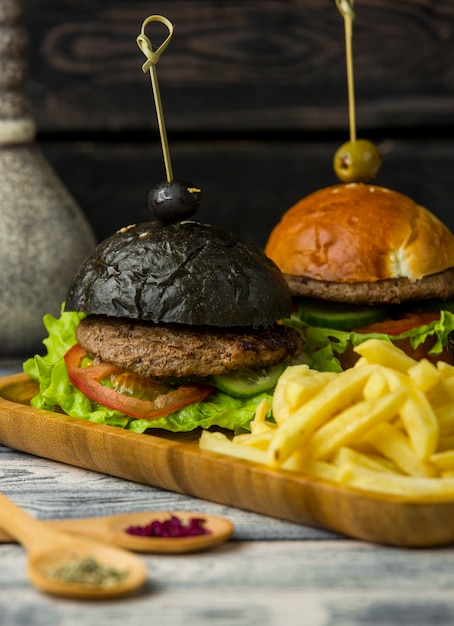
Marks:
<point>324,345</point>
<point>114,388</point>
<point>57,393</point>
<point>403,324</point>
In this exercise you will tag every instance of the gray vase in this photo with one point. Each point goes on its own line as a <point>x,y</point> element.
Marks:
<point>43,233</point>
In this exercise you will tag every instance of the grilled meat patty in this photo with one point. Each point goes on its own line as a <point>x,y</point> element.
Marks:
<point>163,350</point>
<point>389,291</point>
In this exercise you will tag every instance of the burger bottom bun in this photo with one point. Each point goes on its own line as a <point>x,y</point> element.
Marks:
<point>389,291</point>
<point>157,350</point>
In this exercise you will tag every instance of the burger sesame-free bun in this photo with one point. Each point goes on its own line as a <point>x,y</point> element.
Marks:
<point>359,233</point>
<point>186,273</point>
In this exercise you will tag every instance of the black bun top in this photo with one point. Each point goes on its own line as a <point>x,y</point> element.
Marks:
<point>186,272</point>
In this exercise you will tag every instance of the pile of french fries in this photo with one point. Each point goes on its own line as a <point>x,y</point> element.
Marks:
<point>385,425</point>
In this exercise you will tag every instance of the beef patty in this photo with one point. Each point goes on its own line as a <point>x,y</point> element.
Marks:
<point>174,350</point>
<point>389,291</point>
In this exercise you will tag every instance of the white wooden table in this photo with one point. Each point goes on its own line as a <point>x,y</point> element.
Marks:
<point>271,573</point>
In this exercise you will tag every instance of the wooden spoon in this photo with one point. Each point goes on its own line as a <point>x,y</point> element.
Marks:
<point>49,549</point>
<point>112,529</point>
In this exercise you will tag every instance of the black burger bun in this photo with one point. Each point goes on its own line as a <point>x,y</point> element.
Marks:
<point>185,273</point>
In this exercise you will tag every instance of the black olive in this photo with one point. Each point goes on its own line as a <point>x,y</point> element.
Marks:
<point>174,201</point>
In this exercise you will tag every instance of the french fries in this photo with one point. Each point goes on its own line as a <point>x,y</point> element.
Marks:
<point>336,395</point>
<point>385,425</point>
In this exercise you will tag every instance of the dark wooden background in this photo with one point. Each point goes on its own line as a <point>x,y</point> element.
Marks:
<point>255,101</point>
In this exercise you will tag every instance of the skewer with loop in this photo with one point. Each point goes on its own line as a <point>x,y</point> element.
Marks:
<point>153,57</point>
<point>172,200</point>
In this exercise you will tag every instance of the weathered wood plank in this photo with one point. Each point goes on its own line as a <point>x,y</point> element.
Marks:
<point>246,185</point>
<point>242,65</point>
<point>172,605</point>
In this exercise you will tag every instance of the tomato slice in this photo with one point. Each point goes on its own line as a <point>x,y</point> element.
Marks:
<point>161,399</point>
<point>401,325</point>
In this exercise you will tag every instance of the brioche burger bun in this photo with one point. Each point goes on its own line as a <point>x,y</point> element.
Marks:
<point>362,260</point>
<point>175,326</point>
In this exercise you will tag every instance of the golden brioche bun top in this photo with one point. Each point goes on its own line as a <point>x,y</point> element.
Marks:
<point>357,232</point>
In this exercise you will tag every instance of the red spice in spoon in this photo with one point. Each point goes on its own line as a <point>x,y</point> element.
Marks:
<point>173,527</point>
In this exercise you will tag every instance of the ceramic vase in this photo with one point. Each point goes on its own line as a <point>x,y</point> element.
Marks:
<point>43,233</point>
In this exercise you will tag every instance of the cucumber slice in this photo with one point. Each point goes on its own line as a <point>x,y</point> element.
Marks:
<point>248,382</point>
<point>339,316</point>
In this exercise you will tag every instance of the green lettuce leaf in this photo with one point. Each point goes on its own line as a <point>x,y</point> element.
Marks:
<point>57,393</point>
<point>324,345</point>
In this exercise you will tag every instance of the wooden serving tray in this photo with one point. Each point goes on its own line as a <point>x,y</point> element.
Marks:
<point>176,463</point>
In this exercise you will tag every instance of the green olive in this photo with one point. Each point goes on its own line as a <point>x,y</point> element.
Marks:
<point>357,161</point>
